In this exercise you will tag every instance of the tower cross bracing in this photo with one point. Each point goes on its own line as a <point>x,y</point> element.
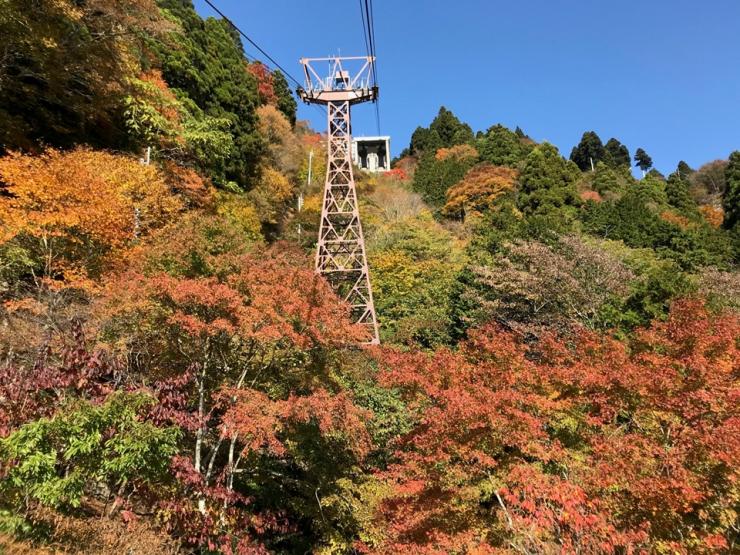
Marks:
<point>340,250</point>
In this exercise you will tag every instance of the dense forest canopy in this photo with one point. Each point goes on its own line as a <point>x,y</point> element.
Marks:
<point>559,362</point>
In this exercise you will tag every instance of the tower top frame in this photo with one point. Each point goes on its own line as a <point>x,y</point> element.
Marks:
<point>347,79</point>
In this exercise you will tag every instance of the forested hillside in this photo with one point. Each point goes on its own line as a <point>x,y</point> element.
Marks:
<point>559,361</point>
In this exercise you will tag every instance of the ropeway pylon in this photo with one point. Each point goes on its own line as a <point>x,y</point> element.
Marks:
<point>340,252</point>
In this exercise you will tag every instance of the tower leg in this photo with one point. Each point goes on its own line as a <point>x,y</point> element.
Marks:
<point>340,252</point>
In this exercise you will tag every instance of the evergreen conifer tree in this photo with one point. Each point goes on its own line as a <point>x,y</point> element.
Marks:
<point>588,152</point>
<point>677,191</point>
<point>731,198</point>
<point>502,147</point>
<point>642,160</point>
<point>286,101</point>
<point>547,188</point>
<point>208,65</point>
<point>445,131</point>
<point>617,155</point>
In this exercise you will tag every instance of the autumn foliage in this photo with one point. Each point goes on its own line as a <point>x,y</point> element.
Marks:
<point>676,219</point>
<point>478,190</point>
<point>263,76</point>
<point>241,364</point>
<point>80,210</point>
<point>587,446</point>
<point>239,347</point>
<point>559,362</point>
<point>398,173</point>
<point>457,152</point>
<point>591,195</point>
<point>715,216</point>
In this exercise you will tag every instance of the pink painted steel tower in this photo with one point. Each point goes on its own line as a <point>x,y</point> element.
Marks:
<point>340,252</point>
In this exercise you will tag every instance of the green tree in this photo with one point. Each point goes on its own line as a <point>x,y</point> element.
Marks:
<point>652,295</point>
<point>497,227</point>
<point>642,218</point>
<point>424,140</point>
<point>436,174</point>
<point>683,170</point>
<point>502,147</point>
<point>445,131</point>
<point>617,155</point>
<point>588,152</point>
<point>55,460</point>
<point>731,198</point>
<point>547,187</point>
<point>642,160</point>
<point>607,179</point>
<point>628,219</point>
<point>286,101</point>
<point>207,63</point>
<point>677,190</point>
<point>176,128</point>
<point>450,129</point>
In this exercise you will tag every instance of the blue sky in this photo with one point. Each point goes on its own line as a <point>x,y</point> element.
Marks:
<point>663,75</point>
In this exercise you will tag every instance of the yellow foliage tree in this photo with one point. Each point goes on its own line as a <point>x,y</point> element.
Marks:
<point>479,189</point>
<point>304,226</point>
<point>284,146</point>
<point>312,142</point>
<point>239,211</point>
<point>396,202</point>
<point>78,211</point>
<point>273,191</point>
<point>413,264</point>
<point>273,125</point>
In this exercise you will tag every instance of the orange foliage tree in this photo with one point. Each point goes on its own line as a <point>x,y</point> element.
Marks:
<point>457,152</point>
<point>79,210</point>
<point>714,216</point>
<point>398,174</point>
<point>588,445</point>
<point>194,190</point>
<point>591,195</point>
<point>250,354</point>
<point>479,189</point>
<point>676,219</point>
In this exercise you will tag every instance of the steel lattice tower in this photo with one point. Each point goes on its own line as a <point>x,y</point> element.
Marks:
<point>340,252</point>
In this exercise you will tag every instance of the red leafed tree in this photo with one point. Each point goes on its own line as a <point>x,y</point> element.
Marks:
<point>261,422</point>
<point>257,345</point>
<point>31,392</point>
<point>398,174</point>
<point>587,445</point>
<point>265,87</point>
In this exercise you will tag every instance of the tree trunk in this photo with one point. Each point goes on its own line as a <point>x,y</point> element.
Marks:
<point>200,432</point>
